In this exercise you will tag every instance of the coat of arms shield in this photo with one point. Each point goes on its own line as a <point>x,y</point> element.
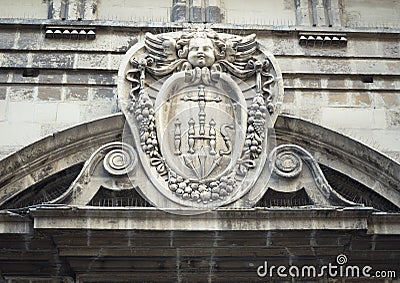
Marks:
<point>199,106</point>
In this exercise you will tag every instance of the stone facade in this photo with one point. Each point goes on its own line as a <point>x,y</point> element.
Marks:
<point>49,84</point>
<point>106,200</point>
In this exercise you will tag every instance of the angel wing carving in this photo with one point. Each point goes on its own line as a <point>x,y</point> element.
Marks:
<point>168,54</point>
<point>239,52</point>
<point>161,48</point>
<point>241,49</point>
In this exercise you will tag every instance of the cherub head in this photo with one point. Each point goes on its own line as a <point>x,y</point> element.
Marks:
<point>201,52</point>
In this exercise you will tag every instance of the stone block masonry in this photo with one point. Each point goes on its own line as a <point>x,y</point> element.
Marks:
<point>352,104</point>
<point>50,84</point>
<point>37,101</point>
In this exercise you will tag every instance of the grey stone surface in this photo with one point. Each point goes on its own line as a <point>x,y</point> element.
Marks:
<point>104,93</point>
<point>26,76</point>
<point>92,61</point>
<point>7,39</point>
<point>3,92</point>
<point>353,118</point>
<point>258,13</point>
<point>45,112</point>
<point>51,93</point>
<point>4,76</point>
<point>99,108</point>
<point>51,77</point>
<point>357,14</point>
<point>104,78</point>
<point>213,14</point>
<point>77,93</point>
<point>27,133</point>
<point>179,12</point>
<point>20,112</point>
<point>25,9</point>
<point>13,60</point>
<point>53,60</point>
<point>77,78</point>
<point>196,14</point>
<point>3,110</point>
<point>139,11</point>
<point>21,93</point>
<point>68,113</point>
<point>28,39</point>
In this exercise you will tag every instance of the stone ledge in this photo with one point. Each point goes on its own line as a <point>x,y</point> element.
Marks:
<point>12,223</point>
<point>305,218</point>
<point>384,223</point>
<point>254,219</point>
<point>21,23</point>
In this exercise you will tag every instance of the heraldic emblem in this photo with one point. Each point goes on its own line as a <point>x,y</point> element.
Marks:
<point>199,105</point>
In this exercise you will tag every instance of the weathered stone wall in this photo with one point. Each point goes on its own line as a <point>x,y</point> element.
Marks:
<point>26,9</point>
<point>350,13</point>
<point>359,13</point>
<point>49,84</point>
<point>354,90</point>
<point>155,10</point>
<point>275,12</point>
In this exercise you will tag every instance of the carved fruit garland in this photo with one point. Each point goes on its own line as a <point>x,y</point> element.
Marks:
<point>144,113</point>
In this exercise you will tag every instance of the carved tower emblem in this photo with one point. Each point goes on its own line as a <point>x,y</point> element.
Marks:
<point>199,105</point>
<point>196,126</point>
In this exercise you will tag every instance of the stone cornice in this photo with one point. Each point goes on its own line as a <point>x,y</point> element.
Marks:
<point>144,25</point>
<point>304,218</point>
<point>13,223</point>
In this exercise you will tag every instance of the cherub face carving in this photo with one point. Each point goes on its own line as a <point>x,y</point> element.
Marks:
<point>201,52</point>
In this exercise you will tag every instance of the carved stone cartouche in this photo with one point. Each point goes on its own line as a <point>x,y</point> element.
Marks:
<point>199,108</point>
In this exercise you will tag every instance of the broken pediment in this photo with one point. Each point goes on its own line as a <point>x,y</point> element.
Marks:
<point>102,187</point>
